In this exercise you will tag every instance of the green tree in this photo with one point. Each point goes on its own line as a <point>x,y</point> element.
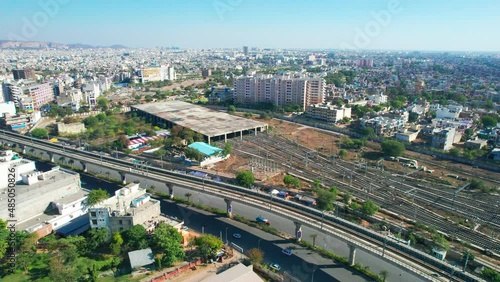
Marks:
<point>245,178</point>
<point>231,109</point>
<point>325,200</point>
<point>96,196</point>
<point>91,122</point>
<point>343,153</point>
<point>40,133</point>
<point>316,184</point>
<point>454,152</point>
<point>440,241</point>
<point>148,98</point>
<point>208,245</point>
<point>135,237</point>
<point>193,154</point>
<point>393,148</point>
<point>367,131</point>
<point>255,256</point>
<point>369,208</point>
<point>102,103</point>
<point>116,243</point>
<point>489,121</point>
<point>168,241</point>
<point>228,149</point>
<point>97,237</point>
<point>188,195</point>
<point>4,235</point>
<point>291,181</point>
<point>412,117</point>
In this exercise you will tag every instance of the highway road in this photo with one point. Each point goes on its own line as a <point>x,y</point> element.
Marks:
<point>272,245</point>
<point>110,167</point>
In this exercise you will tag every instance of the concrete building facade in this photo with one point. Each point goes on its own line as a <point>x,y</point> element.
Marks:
<point>443,138</point>
<point>328,112</point>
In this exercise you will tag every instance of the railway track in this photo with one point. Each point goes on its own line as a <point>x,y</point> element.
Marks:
<point>292,157</point>
<point>394,251</point>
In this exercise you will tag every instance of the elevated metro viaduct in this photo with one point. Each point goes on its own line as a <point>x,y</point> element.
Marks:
<point>213,125</point>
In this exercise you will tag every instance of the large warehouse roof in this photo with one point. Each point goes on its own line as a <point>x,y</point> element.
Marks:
<point>203,120</point>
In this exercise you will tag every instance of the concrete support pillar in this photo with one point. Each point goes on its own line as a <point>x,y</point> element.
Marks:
<point>225,138</point>
<point>170,190</point>
<point>298,231</point>
<point>124,177</point>
<point>23,148</point>
<point>51,157</point>
<point>229,207</point>
<point>84,166</point>
<point>208,140</point>
<point>255,131</point>
<point>241,135</point>
<point>352,254</point>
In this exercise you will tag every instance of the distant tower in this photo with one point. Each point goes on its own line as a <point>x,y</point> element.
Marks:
<point>245,50</point>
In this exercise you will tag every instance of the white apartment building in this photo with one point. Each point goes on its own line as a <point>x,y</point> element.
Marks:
<point>72,97</point>
<point>8,107</point>
<point>161,73</point>
<point>129,206</point>
<point>450,112</point>
<point>38,94</point>
<point>328,112</point>
<point>444,138</point>
<point>91,91</point>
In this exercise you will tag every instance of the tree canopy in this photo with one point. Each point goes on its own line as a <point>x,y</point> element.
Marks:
<point>255,256</point>
<point>369,208</point>
<point>291,181</point>
<point>245,178</point>
<point>325,200</point>
<point>96,196</point>
<point>168,241</point>
<point>489,121</point>
<point>208,245</point>
<point>39,133</point>
<point>135,238</point>
<point>393,148</point>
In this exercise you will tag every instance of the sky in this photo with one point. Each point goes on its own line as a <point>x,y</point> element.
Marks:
<point>434,25</point>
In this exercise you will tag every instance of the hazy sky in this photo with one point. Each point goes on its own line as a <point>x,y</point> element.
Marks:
<point>362,24</point>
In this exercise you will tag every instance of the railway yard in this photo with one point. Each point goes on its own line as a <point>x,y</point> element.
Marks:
<point>408,195</point>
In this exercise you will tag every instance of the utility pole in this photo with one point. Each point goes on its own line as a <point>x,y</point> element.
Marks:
<point>466,259</point>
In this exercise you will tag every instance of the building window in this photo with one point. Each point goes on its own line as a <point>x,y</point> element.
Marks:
<point>120,221</point>
<point>93,214</point>
<point>94,222</point>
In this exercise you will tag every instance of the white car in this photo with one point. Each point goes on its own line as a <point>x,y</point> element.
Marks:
<point>287,252</point>
<point>275,266</point>
<point>237,235</point>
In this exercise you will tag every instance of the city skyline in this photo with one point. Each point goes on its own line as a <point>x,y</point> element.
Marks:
<point>364,25</point>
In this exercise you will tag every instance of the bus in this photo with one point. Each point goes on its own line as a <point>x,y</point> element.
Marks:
<point>407,161</point>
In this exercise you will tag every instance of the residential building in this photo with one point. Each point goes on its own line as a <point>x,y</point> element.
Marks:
<point>383,126</point>
<point>91,92</point>
<point>444,138</point>
<point>29,91</point>
<point>279,90</point>
<point>221,94</point>
<point>365,63</point>
<point>206,72</point>
<point>450,112</point>
<point>19,121</point>
<point>161,73</point>
<point>46,201</point>
<point>71,98</point>
<point>475,144</point>
<point>141,259</point>
<point>407,136</point>
<point>378,99</point>
<point>237,273</point>
<point>129,206</point>
<point>24,74</point>
<point>8,107</point>
<point>328,112</point>
<point>494,154</point>
<point>245,50</point>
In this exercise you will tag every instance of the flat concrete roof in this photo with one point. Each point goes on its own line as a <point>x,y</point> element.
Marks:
<point>205,121</point>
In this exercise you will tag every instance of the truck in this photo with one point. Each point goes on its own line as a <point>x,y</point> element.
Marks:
<point>260,219</point>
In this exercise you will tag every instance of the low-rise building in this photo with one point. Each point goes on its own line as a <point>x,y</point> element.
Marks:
<point>19,121</point>
<point>8,107</point>
<point>221,94</point>
<point>129,206</point>
<point>328,112</point>
<point>407,136</point>
<point>476,144</point>
<point>383,125</point>
<point>494,154</point>
<point>378,99</point>
<point>444,138</point>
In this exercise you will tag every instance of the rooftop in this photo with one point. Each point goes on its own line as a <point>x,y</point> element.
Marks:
<point>205,121</point>
<point>141,257</point>
<point>205,148</point>
<point>237,273</point>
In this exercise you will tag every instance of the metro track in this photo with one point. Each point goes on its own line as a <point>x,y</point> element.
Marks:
<point>287,208</point>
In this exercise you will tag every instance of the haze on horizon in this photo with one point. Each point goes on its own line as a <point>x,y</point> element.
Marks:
<point>445,25</point>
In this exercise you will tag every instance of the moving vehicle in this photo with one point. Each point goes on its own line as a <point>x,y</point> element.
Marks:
<point>287,252</point>
<point>237,235</point>
<point>275,266</point>
<point>260,219</point>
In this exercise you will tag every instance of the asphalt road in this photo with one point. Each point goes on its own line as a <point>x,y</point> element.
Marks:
<point>302,269</point>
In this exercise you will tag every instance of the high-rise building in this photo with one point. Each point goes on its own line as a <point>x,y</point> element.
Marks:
<point>366,63</point>
<point>24,74</point>
<point>161,73</point>
<point>279,90</point>
<point>29,91</point>
<point>206,72</point>
<point>245,50</point>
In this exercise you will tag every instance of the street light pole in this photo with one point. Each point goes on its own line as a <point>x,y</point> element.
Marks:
<point>258,244</point>
<point>226,236</point>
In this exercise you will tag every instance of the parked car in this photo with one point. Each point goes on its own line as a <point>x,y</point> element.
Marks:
<point>237,235</point>
<point>275,266</point>
<point>262,220</point>
<point>287,252</point>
